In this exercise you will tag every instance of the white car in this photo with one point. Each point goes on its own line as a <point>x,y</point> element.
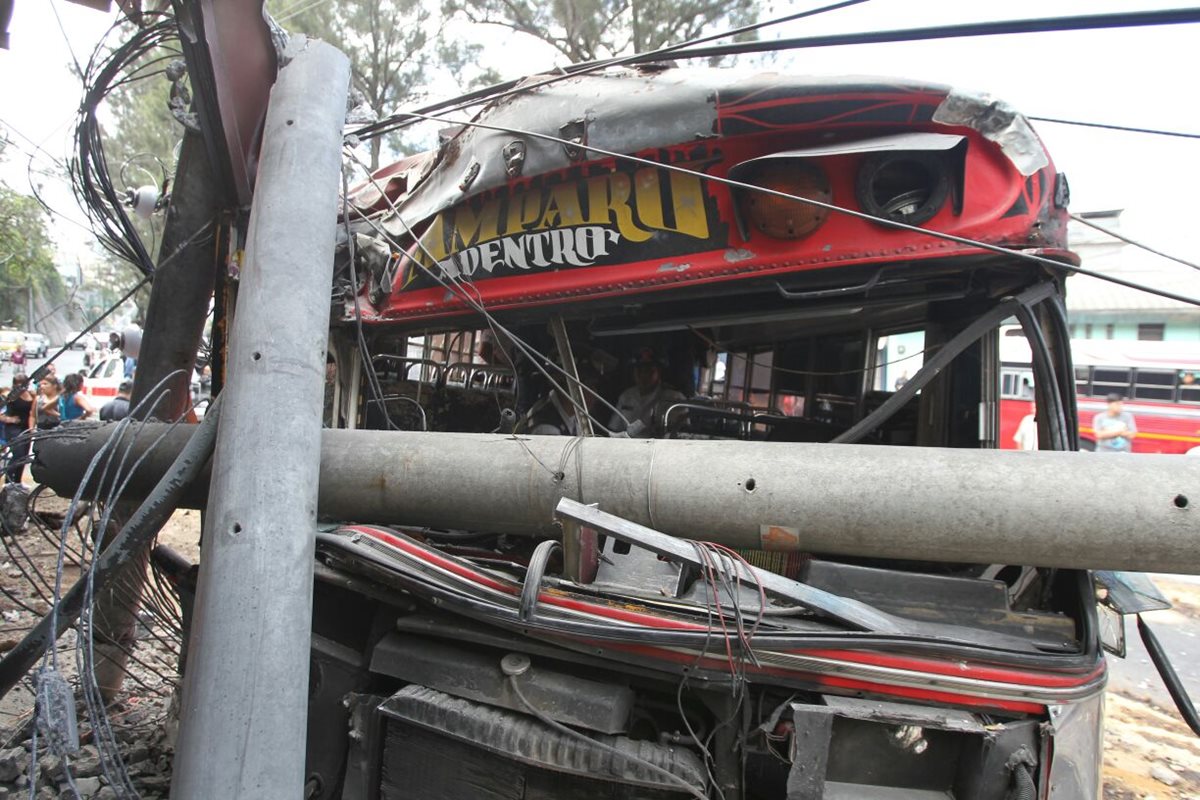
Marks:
<point>37,345</point>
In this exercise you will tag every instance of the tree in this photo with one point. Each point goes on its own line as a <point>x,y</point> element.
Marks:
<point>588,30</point>
<point>140,144</point>
<point>26,258</point>
<point>396,49</point>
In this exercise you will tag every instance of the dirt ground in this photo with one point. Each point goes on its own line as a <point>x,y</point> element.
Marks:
<point>1149,753</point>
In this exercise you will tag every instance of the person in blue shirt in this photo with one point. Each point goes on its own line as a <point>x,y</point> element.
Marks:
<point>1114,427</point>
<point>72,405</point>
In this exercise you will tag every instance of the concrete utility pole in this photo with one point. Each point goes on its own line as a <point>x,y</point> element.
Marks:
<point>1052,509</point>
<point>246,685</point>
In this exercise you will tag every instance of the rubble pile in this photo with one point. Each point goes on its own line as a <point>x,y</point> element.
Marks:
<point>144,748</point>
<point>142,716</point>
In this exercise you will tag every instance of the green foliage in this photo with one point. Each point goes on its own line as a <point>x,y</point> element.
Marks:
<point>396,48</point>
<point>587,30</point>
<point>140,143</point>
<point>139,147</point>
<point>26,257</point>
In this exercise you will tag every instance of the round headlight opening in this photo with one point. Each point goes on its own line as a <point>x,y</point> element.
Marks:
<point>903,187</point>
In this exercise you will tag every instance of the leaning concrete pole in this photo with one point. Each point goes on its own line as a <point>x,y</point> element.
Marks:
<point>245,689</point>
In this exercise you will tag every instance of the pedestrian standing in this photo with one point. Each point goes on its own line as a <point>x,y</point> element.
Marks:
<point>72,405</point>
<point>1114,427</point>
<point>18,420</point>
<point>49,390</point>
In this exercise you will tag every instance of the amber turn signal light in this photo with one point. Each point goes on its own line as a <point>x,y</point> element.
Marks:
<point>781,217</point>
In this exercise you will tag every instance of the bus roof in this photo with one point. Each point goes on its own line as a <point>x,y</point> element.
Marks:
<point>1184,356</point>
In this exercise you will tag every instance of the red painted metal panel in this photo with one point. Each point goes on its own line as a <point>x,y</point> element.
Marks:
<point>610,227</point>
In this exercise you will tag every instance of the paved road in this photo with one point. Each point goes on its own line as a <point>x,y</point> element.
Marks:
<point>70,361</point>
<point>1179,632</point>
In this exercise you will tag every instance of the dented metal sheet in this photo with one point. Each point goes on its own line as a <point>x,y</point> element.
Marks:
<point>999,122</point>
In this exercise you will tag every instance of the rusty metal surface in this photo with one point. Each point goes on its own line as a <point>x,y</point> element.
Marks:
<point>232,63</point>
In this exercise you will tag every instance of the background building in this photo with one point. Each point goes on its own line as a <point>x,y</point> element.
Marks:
<point>1101,310</point>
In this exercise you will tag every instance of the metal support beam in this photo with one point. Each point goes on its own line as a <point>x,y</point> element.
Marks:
<point>567,359</point>
<point>245,689</point>
<point>1053,509</point>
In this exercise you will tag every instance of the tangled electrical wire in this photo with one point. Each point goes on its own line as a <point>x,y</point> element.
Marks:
<point>112,625</point>
<point>140,56</point>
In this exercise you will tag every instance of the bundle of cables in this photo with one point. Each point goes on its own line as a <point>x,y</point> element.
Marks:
<point>142,55</point>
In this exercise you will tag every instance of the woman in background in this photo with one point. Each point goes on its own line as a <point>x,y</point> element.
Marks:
<point>18,420</point>
<point>49,391</point>
<point>72,405</point>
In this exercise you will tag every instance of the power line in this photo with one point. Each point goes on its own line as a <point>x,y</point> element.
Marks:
<point>37,148</point>
<point>1126,129</point>
<point>1134,242</point>
<point>1126,19</point>
<point>66,39</point>
<point>501,90</point>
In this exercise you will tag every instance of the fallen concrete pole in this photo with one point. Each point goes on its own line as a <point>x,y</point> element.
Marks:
<point>1131,512</point>
<point>245,693</point>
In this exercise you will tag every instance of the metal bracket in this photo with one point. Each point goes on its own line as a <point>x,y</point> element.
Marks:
<point>514,158</point>
<point>574,132</point>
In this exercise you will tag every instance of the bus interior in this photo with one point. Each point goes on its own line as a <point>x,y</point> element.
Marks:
<point>795,360</point>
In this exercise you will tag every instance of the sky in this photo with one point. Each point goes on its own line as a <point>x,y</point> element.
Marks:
<point>1132,77</point>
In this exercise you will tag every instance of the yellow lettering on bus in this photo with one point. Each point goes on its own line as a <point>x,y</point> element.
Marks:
<point>687,202</point>
<point>524,209</point>
<point>433,243</point>
<point>562,208</point>
<point>687,198</point>
<point>608,203</point>
<point>471,227</point>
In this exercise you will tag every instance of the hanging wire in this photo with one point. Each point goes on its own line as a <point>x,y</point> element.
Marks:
<point>500,91</point>
<point>113,466</point>
<point>88,170</point>
<point>1124,128</point>
<point>1110,232</point>
<point>146,279</point>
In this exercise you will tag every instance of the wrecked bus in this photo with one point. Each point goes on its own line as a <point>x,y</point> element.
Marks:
<point>663,253</point>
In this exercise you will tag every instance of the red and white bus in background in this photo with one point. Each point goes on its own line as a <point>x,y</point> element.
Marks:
<point>1160,381</point>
